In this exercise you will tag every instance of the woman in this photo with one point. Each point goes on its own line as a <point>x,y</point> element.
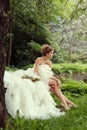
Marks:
<point>28,95</point>
<point>53,82</point>
<point>28,91</point>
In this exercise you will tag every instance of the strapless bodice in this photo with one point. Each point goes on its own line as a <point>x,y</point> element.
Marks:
<point>45,72</point>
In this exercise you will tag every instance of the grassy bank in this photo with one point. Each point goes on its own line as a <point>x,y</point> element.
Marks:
<point>74,119</point>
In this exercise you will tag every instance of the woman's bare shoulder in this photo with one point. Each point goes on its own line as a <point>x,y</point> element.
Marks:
<point>38,60</point>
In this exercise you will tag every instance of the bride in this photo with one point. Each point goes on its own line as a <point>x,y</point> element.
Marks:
<point>28,91</point>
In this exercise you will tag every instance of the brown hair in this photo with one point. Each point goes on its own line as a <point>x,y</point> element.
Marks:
<point>46,49</point>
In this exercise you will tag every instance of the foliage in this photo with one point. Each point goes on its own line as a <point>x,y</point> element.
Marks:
<point>27,27</point>
<point>27,42</point>
<point>60,56</point>
<point>73,86</point>
<point>69,68</point>
<point>26,57</point>
<point>12,68</point>
<point>31,21</point>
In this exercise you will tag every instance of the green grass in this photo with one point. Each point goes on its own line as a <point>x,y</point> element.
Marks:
<point>74,119</point>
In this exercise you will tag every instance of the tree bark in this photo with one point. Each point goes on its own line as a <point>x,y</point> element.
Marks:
<point>10,39</point>
<point>4,24</point>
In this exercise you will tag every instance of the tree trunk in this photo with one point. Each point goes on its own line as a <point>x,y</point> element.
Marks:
<point>10,50</point>
<point>10,40</point>
<point>4,24</point>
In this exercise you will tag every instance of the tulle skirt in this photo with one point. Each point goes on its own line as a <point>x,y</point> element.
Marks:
<point>28,99</point>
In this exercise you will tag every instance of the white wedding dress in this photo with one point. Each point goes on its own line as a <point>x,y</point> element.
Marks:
<point>27,98</point>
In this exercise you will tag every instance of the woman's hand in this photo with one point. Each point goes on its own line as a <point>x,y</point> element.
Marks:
<point>57,81</point>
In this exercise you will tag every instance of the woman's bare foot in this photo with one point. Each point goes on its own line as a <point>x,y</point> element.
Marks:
<point>65,107</point>
<point>71,104</point>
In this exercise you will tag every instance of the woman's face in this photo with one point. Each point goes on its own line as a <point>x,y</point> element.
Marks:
<point>50,54</point>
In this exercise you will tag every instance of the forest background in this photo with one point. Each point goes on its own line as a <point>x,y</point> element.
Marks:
<point>60,23</point>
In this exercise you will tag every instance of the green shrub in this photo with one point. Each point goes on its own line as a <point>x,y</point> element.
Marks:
<point>69,68</point>
<point>73,86</point>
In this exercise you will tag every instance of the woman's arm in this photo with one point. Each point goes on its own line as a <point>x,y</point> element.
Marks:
<point>36,67</point>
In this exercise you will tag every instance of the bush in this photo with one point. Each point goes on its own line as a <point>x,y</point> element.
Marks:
<point>69,68</point>
<point>73,86</point>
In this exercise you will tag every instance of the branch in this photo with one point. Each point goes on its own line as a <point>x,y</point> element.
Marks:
<point>75,11</point>
<point>66,2</point>
<point>82,8</point>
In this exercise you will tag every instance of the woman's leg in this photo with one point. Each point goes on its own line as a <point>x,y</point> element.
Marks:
<point>57,91</point>
<point>69,102</point>
<point>57,81</point>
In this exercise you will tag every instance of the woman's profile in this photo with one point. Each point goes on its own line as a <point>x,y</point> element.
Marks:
<point>28,91</point>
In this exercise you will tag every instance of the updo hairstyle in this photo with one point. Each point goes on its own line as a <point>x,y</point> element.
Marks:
<point>46,49</point>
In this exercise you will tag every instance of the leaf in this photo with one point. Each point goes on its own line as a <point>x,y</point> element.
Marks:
<point>31,78</point>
